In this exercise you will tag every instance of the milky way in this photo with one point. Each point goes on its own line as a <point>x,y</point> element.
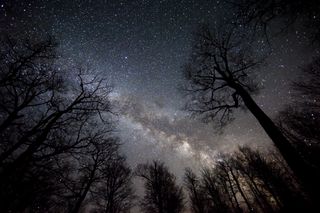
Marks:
<point>141,46</point>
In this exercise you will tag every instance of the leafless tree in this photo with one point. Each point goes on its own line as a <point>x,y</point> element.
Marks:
<point>115,193</point>
<point>35,101</point>
<point>97,179</point>
<point>196,195</point>
<point>218,73</point>
<point>56,133</point>
<point>219,76</point>
<point>246,181</point>
<point>162,194</point>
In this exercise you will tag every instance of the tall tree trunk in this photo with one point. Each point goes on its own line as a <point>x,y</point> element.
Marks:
<point>238,208</point>
<point>235,178</point>
<point>85,191</point>
<point>260,197</point>
<point>303,171</point>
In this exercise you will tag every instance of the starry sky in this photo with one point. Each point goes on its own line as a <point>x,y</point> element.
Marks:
<point>141,46</point>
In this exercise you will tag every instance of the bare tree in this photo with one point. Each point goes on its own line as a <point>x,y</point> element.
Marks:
<point>115,194</point>
<point>218,70</point>
<point>246,181</point>
<point>196,195</point>
<point>56,139</point>
<point>219,76</point>
<point>36,102</point>
<point>162,195</point>
<point>97,177</point>
<point>269,179</point>
<point>91,163</point>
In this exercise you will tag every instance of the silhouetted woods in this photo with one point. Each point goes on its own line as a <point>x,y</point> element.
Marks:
<point>299,122</point>
<point>162,194</point>
<point>246,181</point>
<point>57,151</point>
<point>220,80</point>
<point>220,75</point>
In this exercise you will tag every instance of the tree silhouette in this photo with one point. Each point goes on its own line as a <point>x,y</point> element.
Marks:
<point>196,195</point>
<point>245,181</point>
<point>115,194</point>
<point>37,103</point>
<point>219,81</point>
<point>162,195</point>
<point>98,176</point>
<point>57,149</point>
<point>205,193</point>
<point>269,175</point>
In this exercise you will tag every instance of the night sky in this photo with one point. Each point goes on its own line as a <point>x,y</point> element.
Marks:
<point>141,46</point>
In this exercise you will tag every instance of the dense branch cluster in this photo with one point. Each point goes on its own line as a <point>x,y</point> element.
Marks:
<point>220,62</point>
<point>247,181</point>
<point>162,195</point>
<point>57,150</point>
